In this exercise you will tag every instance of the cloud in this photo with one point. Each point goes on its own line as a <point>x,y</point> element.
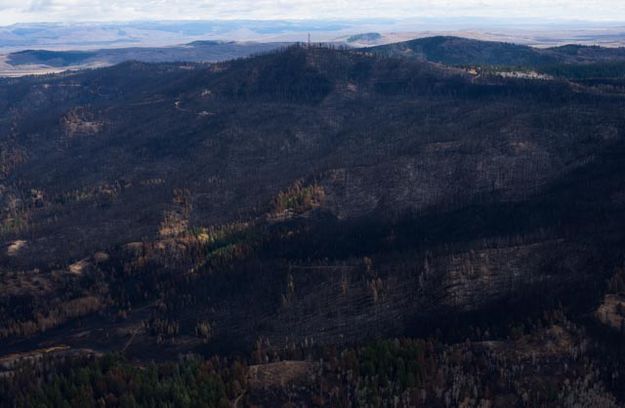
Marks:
<point>16,11</point>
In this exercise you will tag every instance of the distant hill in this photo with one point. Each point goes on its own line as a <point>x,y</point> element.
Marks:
<point>588,54</point>
<point>464,51</point>
<point>50,58</point>
<point>198,51</point>
<point>364,38</point>
<point>575,62</point>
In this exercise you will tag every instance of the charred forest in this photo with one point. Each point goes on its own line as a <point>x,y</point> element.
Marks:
<point>435,223</point>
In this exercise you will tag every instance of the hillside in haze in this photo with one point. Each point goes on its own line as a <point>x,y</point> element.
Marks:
<point>92,35</point>
<point>199,51</point>
<point>302,220</point>
<point>30,62</point>
<point>449,50</point>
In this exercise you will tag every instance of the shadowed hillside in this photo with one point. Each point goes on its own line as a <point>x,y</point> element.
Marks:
<point>464,51</point>
<point>575,62</point>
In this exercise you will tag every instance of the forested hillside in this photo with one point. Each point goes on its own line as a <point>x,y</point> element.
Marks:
<point>316,227</point>
<point>573,62</point>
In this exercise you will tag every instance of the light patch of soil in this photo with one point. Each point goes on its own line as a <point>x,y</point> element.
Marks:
<point>101,257</point>
<point>552,342</point>
<point>279,374</point>
<point>78,268</point>
<point>525,75</point>
<point>80,122</point>
<point>33,282</point>
<point>612,312</point>
<point>7,363</point>
<point>15,247</point>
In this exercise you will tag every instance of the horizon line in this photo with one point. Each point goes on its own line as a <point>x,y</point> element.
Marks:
<point>519,19</point>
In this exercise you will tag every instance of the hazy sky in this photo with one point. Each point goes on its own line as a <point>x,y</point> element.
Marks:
<point>16,11</point>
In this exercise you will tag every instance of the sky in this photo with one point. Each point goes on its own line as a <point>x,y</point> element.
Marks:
<point>24,11</point>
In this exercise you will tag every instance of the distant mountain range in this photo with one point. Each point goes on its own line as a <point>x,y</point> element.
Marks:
<point>87,36</point>
<point>104,35</point>
<point>45,48</point>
